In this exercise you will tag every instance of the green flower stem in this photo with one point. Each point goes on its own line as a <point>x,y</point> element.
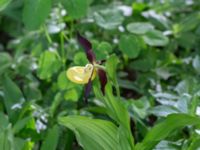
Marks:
<point>100,67</point>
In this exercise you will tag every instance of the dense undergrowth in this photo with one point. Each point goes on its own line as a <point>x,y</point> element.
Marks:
<point>144,93</point>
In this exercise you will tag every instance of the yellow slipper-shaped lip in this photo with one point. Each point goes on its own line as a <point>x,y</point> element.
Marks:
<point>81,75</point>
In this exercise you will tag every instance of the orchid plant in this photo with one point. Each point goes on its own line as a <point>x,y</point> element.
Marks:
<point>85,74</point>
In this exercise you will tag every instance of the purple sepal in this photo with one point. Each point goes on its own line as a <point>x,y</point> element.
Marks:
<point>87,47</point>
<point>88,88</point>
<point>103,79</point>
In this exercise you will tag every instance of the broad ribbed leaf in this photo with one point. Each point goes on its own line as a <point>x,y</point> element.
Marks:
<point>164,129</point>
<point>92,134</point>
<point>51,141</point>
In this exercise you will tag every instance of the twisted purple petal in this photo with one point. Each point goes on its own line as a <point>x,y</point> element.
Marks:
<point>87,47</point>
<point>103,79</point>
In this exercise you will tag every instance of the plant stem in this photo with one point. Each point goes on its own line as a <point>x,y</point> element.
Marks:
<point>62,49</point>
<point>47,35</point>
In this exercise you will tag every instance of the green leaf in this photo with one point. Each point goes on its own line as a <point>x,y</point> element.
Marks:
<point>6,139</point>
<point>196,64</point>
<point>190,22</point>
<point>139,27</point>
<point>102,50</point>
<point>155,38</point>
<point>123,138</point>
<point>115,108</point>
<point>5,62</point>
<point>4,121</point>
<point>111,67</point>
<point>163,110</point>
<point>12,96</point>
<point>118,112</point>
<point>146,62</point>
<point>109,18</point>
<point>76,8</point>
<point>130,45</point>
<point>105,46</point>
<point>72,95</point>
<point>19,143</point>
<point>195,143</point>
<point>4,4</point>
<point>92,134</point>
<point>80,59</point>
<point>164,129</point>
<point>21,124</point>
<point>51,141</point>
<point>35,12</point>
<point>32,92</point>
<point>49,64</point>
<point>63,82</point>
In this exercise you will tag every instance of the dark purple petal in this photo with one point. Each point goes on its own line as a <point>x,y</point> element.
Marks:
<point>88,88</point>
<point>87,47</point>
<point>103,79</point>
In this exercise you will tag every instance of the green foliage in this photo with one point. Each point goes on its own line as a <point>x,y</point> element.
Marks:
<point>155,38</point>
<point>48,64</point>
<point>35,13</point>
<point>130,45</point>
<point>139,27</point>
<point>166,128</point>
<point>76,8</point>
<point>149,50</point>
<point>51,140</point>
<point>4,4</point>
<point>5,62</point>
<point>102,135</point>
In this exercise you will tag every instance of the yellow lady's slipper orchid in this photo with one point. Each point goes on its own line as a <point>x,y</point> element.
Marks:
<point>81,75</point>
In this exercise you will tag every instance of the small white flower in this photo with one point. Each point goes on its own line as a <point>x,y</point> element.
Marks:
<point>115,40</point>
<point>126,10</point>
<point>198,111</point>
<point>40,126</point>
<point>121,29</point>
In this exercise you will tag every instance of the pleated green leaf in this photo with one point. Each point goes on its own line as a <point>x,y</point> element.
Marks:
<point>92,134</point>
<point>164,129</point>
